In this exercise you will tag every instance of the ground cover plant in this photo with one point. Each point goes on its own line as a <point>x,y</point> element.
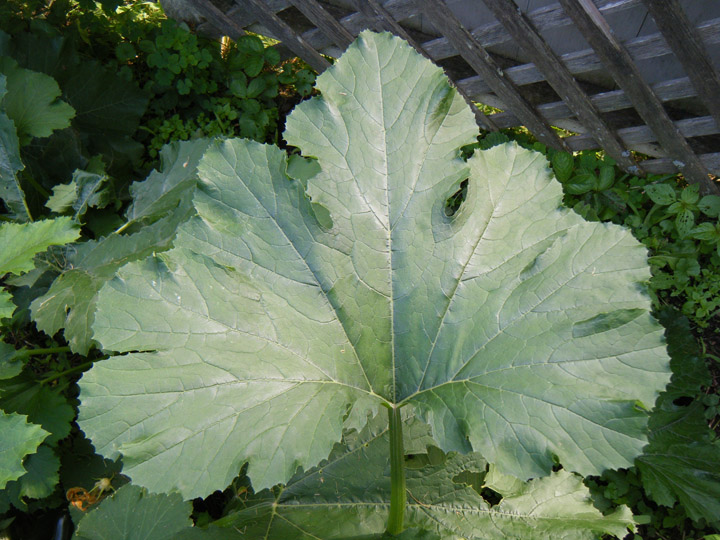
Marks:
<point>234,227</point>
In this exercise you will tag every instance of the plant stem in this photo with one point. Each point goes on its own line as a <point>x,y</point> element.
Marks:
<point>37,352</point>
<point>70,371</point>
<point>398,497</point>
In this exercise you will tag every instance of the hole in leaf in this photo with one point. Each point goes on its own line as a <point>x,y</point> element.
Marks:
<point>452,205</point>
<point>491,496</point>
<point>683,401</point>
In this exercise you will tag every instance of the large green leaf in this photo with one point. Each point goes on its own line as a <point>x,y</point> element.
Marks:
<point>108,107</point>
<point>133,514</point>
<point>10,163</point>
<point>681,461</point>
<point>32,102</point>
<point>19,438</point>
<point>518,329</point>
<point>163,199</point>
<point>348,496</point>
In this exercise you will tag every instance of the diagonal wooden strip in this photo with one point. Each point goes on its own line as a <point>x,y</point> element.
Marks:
<point>218,19</point>
<point>560,78</point>
<point>287,35</point>
<point>381,19</point>
<point>688,47</point>
<point>325,22</point>
<point>618,62</point>
<point>480,60</point>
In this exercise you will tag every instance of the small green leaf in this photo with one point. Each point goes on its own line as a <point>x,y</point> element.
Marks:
<point>691,194</point>
<point>19,438</point>
<point>7,307</point>
<point>86,190</point>
<point>581,183</point>
<point>10,364</point>
<point>22,241</point>
<point>606,178</point>
<point>707,232</point>
<point>253,65</point>
<point>684,222</point>
<point>563,164</point>
<point>238,85</point>
<point>42,474</point>
<point>255,88</point>
<point>662,194</point>
<point>710,205</point>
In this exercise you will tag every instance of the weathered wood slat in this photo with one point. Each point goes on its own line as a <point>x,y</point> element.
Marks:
<point>287,35</point>
<point>488,35</point>
<point>689,49</point>
<point>325,22</point>
<point>218,19</point>
<point>633,136</point>
<point>479,59</point>
<point>383,20</point>
<point>619,63</point>
<point>561,80</point>
<point>614,100</point>
<point>543,19</point>
<point>585,61</point>
<point>666,165</point>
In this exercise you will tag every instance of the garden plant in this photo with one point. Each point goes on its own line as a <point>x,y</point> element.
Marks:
<point>386,329</point>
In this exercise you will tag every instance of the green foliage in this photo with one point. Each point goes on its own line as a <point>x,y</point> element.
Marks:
<point>679,227</point>
<point>134,514</point>
<point>31,102</point>
<point>118,71</point>
<point>19,439</point>
<point>267,326</point>
<point>323,502</point>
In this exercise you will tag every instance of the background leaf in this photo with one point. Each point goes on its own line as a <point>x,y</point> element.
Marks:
<point>22,241</point>
<point>19,438</point>
<point>680,463</point>
<point>134,514</point>
<point>348,496</point>
<point>32,101</point>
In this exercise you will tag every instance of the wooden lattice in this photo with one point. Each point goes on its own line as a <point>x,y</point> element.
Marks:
<point>630,114</point>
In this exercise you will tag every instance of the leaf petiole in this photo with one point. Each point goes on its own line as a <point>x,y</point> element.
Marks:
<point>398,497</point>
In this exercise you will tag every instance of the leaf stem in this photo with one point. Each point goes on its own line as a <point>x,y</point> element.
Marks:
<point>37,352</point>
<point>398,497</point>
<point>70,371</point>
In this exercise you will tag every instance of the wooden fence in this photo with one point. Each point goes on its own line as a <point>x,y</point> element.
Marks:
<point>548,90</point>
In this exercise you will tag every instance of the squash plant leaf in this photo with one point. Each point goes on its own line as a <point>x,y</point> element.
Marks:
<point>19,439</point>
<point>163,201</point>
<point>32,102</point>
<point>517,329</point>
<point>681,461</point>
<point>133,514</point>
<point>22,241</point>
<point>11,192</point>
<point>347,496</point>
